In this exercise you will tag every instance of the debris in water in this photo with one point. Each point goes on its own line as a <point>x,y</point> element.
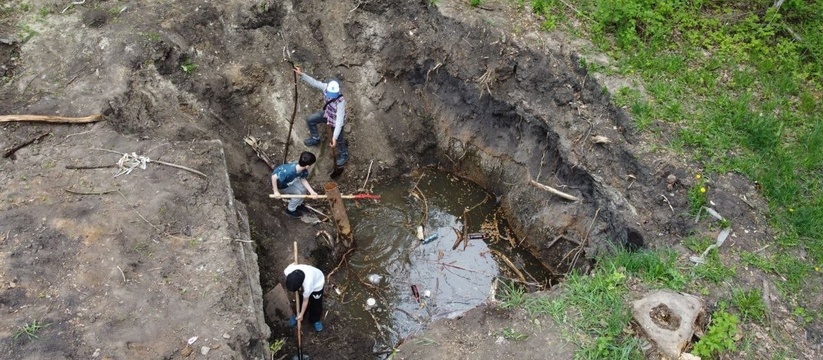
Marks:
<point>420,235</point>
<point>415,293</point>
<point>375,279</point>
<point>430,238</point>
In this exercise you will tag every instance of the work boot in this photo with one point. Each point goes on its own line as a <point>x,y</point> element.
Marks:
<point>295,214</point>
<point>312,141</point>
<point>302,208</point>
<point>342,159</point>
<point>292,321</point>
<point>318,326</point>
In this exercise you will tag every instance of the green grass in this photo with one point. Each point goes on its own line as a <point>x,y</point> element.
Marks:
<point>601,311</point>
<point>744,92</point>
<point>188,66</point>
<point>749,303</point>
<point>30,330</point>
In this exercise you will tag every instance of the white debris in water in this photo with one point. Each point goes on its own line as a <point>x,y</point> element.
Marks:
<point>375,279</point>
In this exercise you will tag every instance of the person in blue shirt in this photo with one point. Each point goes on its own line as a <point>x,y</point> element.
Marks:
<point>292,179</point>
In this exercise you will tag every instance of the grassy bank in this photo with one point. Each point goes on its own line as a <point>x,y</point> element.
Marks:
<point>736,86</point>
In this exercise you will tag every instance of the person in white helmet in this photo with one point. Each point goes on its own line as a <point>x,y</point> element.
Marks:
<point>333,114</point>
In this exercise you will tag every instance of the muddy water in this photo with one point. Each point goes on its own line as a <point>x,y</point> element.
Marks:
<point>390,258</point>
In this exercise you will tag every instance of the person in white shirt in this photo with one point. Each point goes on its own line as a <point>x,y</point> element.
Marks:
<point>311,280</point>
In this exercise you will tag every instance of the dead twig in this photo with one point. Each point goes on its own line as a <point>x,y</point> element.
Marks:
<point>89,167</point>
<point>51,119</point>
<point>555,191</point>
<point>510,264</point>
<point>89,193</point>
<point>14,149</point>
<point>667,202</point>
<point>368,173</point>
<point>459,239</point>
<point>121,273</point>
<point>342,259</point>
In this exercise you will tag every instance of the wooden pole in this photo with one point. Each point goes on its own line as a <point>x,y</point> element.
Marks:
<point>297,312</point>
<point>51,119</point>
<point>338,213</point>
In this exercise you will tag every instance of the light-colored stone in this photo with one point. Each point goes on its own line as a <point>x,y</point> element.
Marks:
<point>667,318</point>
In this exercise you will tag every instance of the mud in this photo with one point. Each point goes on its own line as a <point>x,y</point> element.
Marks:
<point>448,86</point>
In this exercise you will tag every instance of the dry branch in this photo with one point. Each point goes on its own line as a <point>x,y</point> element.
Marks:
<point>51,119</point>
<point>554,191</point>
<point>14,149</point>
<point>510,264</point>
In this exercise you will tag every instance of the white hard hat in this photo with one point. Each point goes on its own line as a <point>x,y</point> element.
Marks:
<point>332,89</point>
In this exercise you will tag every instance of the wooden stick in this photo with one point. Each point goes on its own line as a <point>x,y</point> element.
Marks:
<point>89,167</point>
<point>510,264</point>
<point>319,196</point>
<point>367,175</point>
<point>554,191</point>
<point>14,149</point>
<point>51,119</point>
<point>297,312</point>
<point>89,193</point>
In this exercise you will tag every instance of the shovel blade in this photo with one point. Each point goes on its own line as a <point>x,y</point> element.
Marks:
<point>338,170</point>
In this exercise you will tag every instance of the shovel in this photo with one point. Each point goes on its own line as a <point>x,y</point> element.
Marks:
<point>300,355</point>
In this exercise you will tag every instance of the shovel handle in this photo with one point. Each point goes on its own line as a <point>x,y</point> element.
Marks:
<point>354,196</point>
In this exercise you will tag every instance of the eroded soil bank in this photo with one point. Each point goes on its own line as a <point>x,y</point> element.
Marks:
<point>437,85</point>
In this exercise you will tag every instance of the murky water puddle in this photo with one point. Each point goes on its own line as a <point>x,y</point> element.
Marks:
<point>413,282</point>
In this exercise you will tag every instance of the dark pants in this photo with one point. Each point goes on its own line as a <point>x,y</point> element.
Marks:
<point>314,312</point>
<point>317,118</point>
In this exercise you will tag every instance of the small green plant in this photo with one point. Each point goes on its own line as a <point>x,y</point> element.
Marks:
<point>720,337</point>
<point>749,304</point>
<point>27,32</point>
<point>152,37</point>
<point>276,346</point>
<point>25,7</point>
<point>713,269</point>
<point>188,67</point>
<point>698,194</point>
<point>512,334</point>
<point>654,267</point>
<point>475,3</point>
<point>43,12</point>
<point>511,295</point>
<point>30,330</point>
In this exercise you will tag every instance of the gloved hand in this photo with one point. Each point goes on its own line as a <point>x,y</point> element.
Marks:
<point>292,321</point>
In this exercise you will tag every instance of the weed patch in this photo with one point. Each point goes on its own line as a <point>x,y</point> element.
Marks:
<point>720,337</point>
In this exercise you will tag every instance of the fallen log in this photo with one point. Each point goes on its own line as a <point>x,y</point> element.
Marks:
<point>51,119</point>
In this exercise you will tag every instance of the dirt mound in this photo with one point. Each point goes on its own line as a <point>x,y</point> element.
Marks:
<point>131,266</point>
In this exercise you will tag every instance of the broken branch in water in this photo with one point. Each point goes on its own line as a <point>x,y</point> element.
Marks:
<point>554,191</point>
<point>459,239</point>
<point>510,264</point>
<point>51,119</point>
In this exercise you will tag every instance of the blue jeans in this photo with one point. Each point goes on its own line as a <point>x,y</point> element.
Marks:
<point>296,188</point>
<point>317,118</point>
